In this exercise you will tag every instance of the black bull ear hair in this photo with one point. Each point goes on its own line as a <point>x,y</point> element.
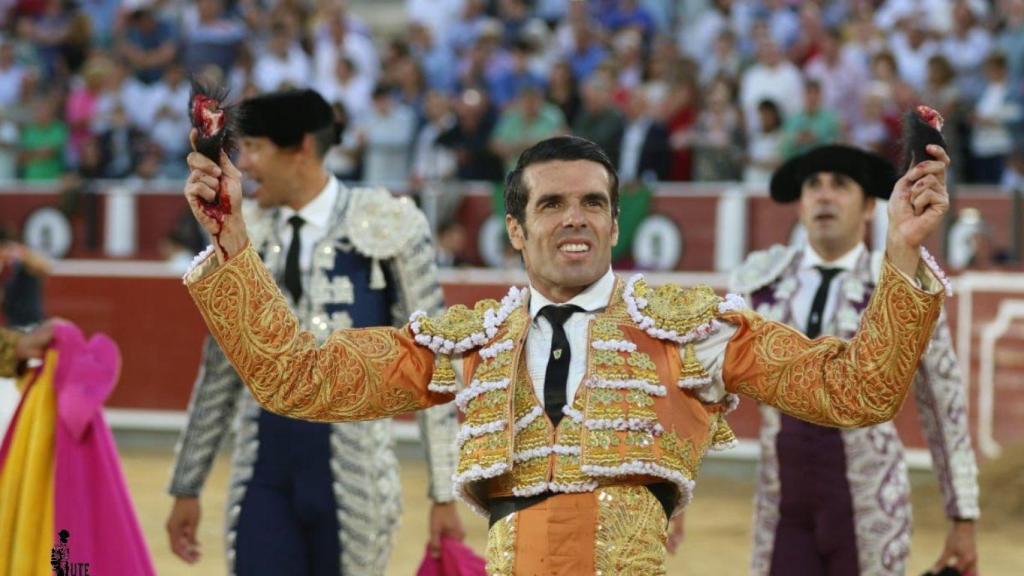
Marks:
<point>211,140</point>
<point>921,126</point>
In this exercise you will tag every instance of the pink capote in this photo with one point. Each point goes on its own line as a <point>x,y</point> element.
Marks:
<point>91,499</point>
<point>456,559</point>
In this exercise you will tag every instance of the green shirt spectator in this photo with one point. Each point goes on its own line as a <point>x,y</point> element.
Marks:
<point>42,144</point>
<point>812,127</point>
<point>522,125</point>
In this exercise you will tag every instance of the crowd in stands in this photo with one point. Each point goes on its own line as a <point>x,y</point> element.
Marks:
<point>674,90</point>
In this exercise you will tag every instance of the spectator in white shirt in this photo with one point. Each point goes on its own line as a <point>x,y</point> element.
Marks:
<point>912,48</point>
<point>966,48</point>
<point>283,65</point>
<point>772,78</point>
<point>338,41</point>
<point>11,74</point>
<point>991,140</point>
<point>348,86</point>
<point>170,125</point>
<point>437,15</point>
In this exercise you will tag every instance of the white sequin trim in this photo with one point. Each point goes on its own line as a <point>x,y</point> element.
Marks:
<point>531,490</point>
<point>732,303</point>
<point>495,349</point>
<point>573,413</point>
<point>540,488</point>
<point>635,305</point>
<point>614,345</point>
<point>527,419</point>
<point>196,261</point>
<point>652,389</point>
<point>475,473</point>
<point>476,389</point>
<point>467,431</point>
<point>932,265</point>
<point>545,451</point>
<point>443,388</point>
<point>694,382</point>
<point>622,424</point>
<point>635,468</point>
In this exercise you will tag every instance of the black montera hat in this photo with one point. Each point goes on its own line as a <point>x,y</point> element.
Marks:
<point>874,174</point>
<point>284,117</point>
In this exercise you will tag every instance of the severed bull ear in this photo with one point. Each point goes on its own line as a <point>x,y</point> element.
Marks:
<point>213,119</point>
<point>922,126</point>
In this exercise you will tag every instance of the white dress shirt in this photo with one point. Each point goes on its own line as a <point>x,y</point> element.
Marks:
<point>710,351</point>
<point>809,279</point>
<point>317,217</point>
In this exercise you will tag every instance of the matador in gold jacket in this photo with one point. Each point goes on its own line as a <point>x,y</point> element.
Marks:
<point>589,399</point>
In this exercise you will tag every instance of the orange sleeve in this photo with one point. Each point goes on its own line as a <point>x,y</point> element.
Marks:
<point>357,374</point>
<point>830,381</point>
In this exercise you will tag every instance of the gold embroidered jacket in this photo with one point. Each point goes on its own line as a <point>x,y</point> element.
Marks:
<point>639,417</point>
<point>8,358</point>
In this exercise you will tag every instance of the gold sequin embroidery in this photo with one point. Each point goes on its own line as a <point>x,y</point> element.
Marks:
<point>501,547</point>
<point>631,532</point>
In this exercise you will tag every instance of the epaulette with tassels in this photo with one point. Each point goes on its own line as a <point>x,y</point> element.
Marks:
<point>459,330</point>
<point>680,315</point>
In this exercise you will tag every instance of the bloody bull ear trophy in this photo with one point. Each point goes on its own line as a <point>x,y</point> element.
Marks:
<point>214,124</point>
<point>921,126</point>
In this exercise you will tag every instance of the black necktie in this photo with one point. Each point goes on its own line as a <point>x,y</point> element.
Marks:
<point>557,373</point>
<point>820,298</point>
<point>292,275</point>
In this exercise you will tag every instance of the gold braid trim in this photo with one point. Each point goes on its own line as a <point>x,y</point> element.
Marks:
<point>829,381</point>
<point>359,374</point>
<point>8,352</point>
